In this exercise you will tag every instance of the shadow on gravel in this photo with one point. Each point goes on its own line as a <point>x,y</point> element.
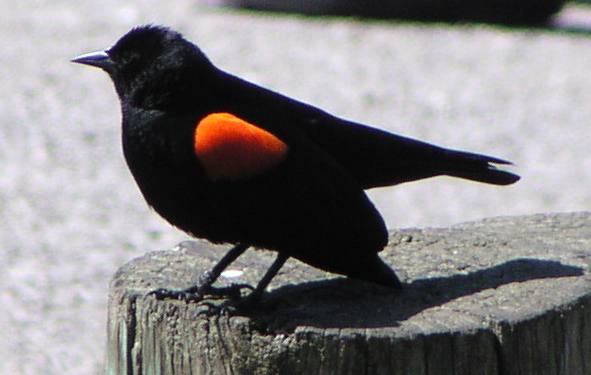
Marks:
<point>508,12</point>
<point>547,16</point>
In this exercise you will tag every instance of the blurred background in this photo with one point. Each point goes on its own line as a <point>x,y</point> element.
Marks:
<point>505,78</point>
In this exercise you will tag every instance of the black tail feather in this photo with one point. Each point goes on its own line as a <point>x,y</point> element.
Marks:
<point>479,168</point>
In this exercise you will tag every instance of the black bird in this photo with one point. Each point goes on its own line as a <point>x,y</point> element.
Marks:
<point>227,160</point>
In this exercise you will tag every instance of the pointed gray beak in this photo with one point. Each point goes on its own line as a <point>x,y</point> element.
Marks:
<point>100,59</point>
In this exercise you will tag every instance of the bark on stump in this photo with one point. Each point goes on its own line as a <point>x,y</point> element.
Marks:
<point>499,296</point>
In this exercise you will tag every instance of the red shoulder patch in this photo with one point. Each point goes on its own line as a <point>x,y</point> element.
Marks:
<point>232,148</point>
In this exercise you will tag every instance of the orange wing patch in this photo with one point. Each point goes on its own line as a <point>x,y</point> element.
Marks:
<point>231,148</point>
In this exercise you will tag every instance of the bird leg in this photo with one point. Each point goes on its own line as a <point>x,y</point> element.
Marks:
<point>204,284</point>
<point>254,297</point>
<point>256,294</point>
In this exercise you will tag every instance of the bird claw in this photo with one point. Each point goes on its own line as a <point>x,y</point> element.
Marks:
<point>230,307</point>
<point>217,309</point>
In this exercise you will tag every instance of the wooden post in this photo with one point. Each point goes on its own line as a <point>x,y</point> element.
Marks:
<point>499,296</point>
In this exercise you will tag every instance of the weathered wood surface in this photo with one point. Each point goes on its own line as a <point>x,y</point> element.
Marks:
<point>500,296</point>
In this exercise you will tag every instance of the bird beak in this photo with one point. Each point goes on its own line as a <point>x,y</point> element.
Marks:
<point>100,59</point>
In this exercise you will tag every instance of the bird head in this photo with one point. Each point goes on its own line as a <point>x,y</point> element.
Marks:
<point>150,65</point>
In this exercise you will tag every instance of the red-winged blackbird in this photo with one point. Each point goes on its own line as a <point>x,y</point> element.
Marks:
<point>232,162</point>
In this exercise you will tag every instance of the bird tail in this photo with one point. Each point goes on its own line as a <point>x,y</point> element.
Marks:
<point>476,167</point>
<point>376,158</point>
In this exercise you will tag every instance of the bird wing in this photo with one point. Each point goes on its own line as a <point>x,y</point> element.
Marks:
<point>232,148</point>
<point>284,196</point>
<point>371,156</point>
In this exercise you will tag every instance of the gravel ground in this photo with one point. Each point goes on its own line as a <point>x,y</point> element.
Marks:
<point>71,213</point>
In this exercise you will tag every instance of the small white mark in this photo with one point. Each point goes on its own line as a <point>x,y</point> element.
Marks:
<point>230,274</point>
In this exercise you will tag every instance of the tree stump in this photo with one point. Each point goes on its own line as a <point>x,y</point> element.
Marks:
<point>499,296</point>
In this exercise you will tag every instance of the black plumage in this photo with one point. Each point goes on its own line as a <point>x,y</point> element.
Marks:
<point>301,190</point>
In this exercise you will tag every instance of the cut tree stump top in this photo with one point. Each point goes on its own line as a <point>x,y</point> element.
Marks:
<point>506,295</point>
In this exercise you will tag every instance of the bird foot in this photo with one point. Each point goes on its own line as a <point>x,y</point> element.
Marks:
<point>198,293</point>
<point>232,306</point>
<point>187,295</point>
<point>233,291</point>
